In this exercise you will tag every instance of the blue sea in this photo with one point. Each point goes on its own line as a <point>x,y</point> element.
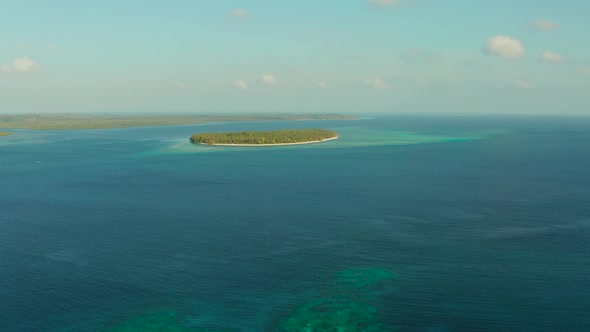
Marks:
<point>405,223</point>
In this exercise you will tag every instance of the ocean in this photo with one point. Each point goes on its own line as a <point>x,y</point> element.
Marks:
<point>405,223</point>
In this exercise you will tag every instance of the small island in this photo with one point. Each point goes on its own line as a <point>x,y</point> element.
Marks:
<point>4,133</point>
<point>265,138</point>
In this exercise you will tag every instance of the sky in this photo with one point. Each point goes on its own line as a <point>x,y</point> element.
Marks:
<point>306,56</point>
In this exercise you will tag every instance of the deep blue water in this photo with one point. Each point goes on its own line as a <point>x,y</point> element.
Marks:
<point>486,231</point>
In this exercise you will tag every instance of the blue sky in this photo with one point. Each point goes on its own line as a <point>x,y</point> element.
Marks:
<point>360,56</point>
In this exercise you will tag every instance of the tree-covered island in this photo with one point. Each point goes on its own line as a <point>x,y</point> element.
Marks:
<point>4,133</point>
<point>271,137</point>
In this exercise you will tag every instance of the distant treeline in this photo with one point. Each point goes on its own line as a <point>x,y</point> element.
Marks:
<point>265,137</point>
<point>100,121</point>
<point>4,133</point>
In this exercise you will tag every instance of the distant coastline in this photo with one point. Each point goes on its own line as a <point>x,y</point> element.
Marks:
<point>108,121</point>
<point>275,144</point>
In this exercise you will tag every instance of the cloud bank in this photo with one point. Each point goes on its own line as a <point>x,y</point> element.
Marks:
<point>241,85</point>
<point>505,47</point>
<point>321,85</point>
<point>552,57</point>
<point>22,64</point>
<point>268,80</point>
<point>543,25</point>
<point>376,83</point>
<point>524,85</point>
<point>239,13</point>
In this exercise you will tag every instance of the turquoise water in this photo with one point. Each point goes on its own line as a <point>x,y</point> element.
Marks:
<point>403,224</point>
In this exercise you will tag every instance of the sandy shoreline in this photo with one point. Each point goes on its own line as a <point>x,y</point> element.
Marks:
<point>277,144</point>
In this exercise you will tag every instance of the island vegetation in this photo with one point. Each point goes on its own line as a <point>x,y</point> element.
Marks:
<point>271,137</point>
<point>4,133</point>
<point>103,121</point>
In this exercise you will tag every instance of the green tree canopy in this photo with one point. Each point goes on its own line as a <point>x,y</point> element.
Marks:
<point>264,137</point>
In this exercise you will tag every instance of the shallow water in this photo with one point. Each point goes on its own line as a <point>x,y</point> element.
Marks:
<point>483,221</point>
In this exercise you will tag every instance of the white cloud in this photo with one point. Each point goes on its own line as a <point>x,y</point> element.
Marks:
<point>268,79</point>
<point>584,71</point>
<point>181,86</point>
<point>376,83</point>
<point>321,85</point>
<point>241,85</point>
<point>416,56</point>
<point>239,13</point>
<point>505,47</point>
<point>552,57</point>
<point>524,85</point>
<point>22,64</point>
<point>544,25</point>
<point>384,3</point>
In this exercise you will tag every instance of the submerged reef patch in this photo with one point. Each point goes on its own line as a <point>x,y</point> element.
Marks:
<point>332,314</point>
<point>157,322</point>
<point>363,278</point>
<point>348,303</point>
<point>346,307</point>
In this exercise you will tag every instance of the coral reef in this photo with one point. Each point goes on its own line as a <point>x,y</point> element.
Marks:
<point>345,308</point>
